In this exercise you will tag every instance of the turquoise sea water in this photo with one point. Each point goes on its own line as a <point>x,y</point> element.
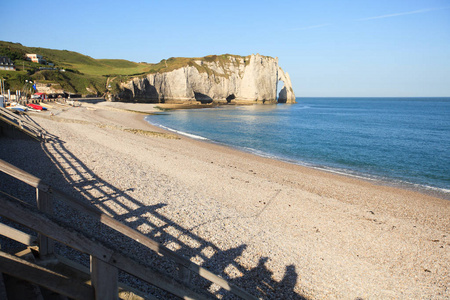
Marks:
<point>403,141</point>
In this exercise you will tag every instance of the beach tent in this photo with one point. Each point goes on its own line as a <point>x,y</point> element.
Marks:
<point>43,96</point>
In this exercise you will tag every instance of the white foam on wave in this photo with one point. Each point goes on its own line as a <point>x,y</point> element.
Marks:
<point>258,152</point>
<point>190,135</point>
<point>304,164</point>
<point>433,188</point>
<point>343,172</point>
<point>349,173</point>
<point>386,180</point>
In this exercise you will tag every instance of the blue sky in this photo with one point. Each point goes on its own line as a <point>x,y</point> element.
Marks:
<point>330,48</point>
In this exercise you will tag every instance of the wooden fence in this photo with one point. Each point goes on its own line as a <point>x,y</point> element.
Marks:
<point>21,123</point>
<point>105,262</point>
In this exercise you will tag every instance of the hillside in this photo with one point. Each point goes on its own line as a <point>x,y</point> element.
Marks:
<point>82,74</point>
<point>210,78</point>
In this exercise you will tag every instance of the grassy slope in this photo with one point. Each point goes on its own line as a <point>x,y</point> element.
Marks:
<point>81,71</point>
<point>88,65</point>
<point>86,72</point>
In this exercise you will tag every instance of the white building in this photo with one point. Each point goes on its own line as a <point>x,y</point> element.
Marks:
<point>36,58</point>
<point>6,64</point>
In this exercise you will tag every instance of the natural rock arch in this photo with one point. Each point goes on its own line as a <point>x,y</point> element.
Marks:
<point>286,93</point>
<point>248,79</point>
<point>282,93</point>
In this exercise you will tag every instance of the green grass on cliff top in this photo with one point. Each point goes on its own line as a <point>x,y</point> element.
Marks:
<point>73,60</point>
<point>87,72</point>
<point>103,67</point>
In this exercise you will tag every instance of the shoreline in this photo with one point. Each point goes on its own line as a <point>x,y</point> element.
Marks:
<point>376,180</point>
<point>273,227</point>
<point>317,171</point>
<point>143,108</point>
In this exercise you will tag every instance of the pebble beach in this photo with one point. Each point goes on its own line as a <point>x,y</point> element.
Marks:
<point>278,230</point>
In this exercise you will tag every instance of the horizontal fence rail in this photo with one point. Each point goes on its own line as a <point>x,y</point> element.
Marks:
<point>103,259</point>
<point>21,123</point>
<point>23,269</point>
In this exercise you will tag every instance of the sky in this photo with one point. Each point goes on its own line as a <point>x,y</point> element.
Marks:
<point>376,48</point>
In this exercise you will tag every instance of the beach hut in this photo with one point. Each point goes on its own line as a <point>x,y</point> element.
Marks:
<point>42,96</point>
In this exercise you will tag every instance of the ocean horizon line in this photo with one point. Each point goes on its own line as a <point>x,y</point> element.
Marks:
<point>372,97</point>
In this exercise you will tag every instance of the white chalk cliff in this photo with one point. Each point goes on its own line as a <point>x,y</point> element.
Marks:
<point>225,78</point>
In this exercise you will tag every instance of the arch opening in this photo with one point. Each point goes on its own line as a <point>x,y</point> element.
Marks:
<point>202,98</point>
<point>230,97</point>
<point>281,92</point>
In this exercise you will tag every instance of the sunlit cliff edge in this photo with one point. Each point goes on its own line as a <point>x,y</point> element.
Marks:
<point>215,78</point>
<point>225,78</point>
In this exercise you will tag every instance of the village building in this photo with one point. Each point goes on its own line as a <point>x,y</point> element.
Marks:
<point>6,64</point>
<point>36,58</point>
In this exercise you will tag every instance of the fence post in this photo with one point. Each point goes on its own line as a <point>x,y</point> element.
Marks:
<point>45,204</point>
<point>184,274</point>
<point>104,279</point>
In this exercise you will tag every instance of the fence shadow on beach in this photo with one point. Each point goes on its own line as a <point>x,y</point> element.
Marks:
<point>55,164</point>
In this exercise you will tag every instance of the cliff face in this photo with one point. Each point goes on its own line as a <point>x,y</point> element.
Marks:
<point>226,78</point>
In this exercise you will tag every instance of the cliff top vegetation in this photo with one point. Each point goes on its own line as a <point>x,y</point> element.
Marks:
<point>84,74</point>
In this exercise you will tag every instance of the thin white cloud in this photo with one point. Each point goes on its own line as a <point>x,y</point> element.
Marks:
<point>312,27</point>
<point>420,11</point>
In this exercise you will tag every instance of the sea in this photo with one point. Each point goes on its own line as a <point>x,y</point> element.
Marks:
<point>396,141</point>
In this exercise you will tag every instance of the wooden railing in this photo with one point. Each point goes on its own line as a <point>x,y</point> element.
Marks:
<point>105,262</point>
<point>21,123</point>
